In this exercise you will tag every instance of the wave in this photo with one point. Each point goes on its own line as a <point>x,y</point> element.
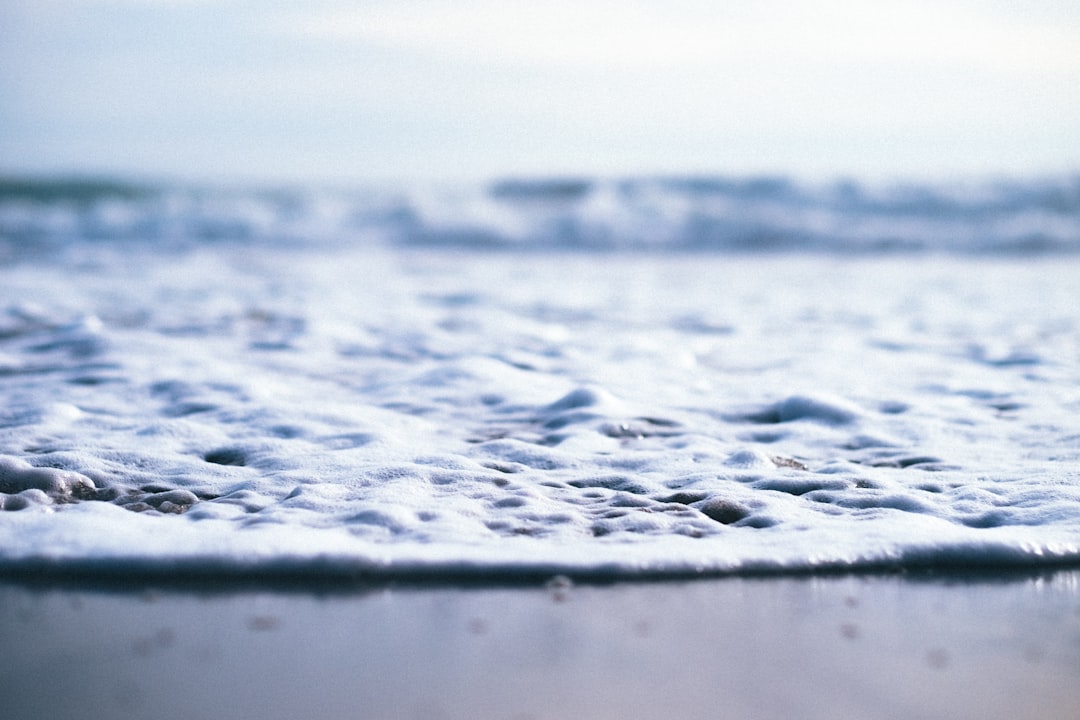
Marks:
<point>688,214</point>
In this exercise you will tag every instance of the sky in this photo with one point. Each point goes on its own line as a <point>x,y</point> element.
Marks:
<point>325,90</point>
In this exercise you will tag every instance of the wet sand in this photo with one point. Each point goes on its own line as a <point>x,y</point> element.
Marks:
<point>884,646</point>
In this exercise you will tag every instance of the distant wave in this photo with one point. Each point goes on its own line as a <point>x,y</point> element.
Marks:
<point>701,214</point>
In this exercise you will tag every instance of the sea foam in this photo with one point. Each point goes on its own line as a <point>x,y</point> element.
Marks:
<point>377,403</point>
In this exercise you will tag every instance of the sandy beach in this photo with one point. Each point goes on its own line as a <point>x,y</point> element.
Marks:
<point>879,646</point>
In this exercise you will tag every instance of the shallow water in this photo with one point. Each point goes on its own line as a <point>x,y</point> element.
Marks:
<point>820,647</point>
<point>295,397</point>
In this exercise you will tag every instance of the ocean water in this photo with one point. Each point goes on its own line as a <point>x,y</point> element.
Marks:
<point>637,378</point>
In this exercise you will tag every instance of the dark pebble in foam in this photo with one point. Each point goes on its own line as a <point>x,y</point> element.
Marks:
<point>991,519</point>
<point>917,460</point>
<point>178,497</point>
<point>155,488</point>
<point>226,456</point>
<point>684,497</point>
<point>722,510</point>
<point>108,494</point>
<point>787,462</point>
<point>799,407</point>
<point>509,502</point>
<point>759,522</point>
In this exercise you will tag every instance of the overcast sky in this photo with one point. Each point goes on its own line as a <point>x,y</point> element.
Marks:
<point>401,89</point>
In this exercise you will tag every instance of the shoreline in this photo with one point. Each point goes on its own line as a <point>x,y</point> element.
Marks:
<point>989,645</point>
<point>305,578</point>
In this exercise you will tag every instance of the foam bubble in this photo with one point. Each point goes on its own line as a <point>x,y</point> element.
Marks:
<point>17,476</point>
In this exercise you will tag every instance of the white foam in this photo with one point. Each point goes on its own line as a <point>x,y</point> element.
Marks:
<point>396,411</point>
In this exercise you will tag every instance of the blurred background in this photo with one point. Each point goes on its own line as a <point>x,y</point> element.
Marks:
<point>378,90</point>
